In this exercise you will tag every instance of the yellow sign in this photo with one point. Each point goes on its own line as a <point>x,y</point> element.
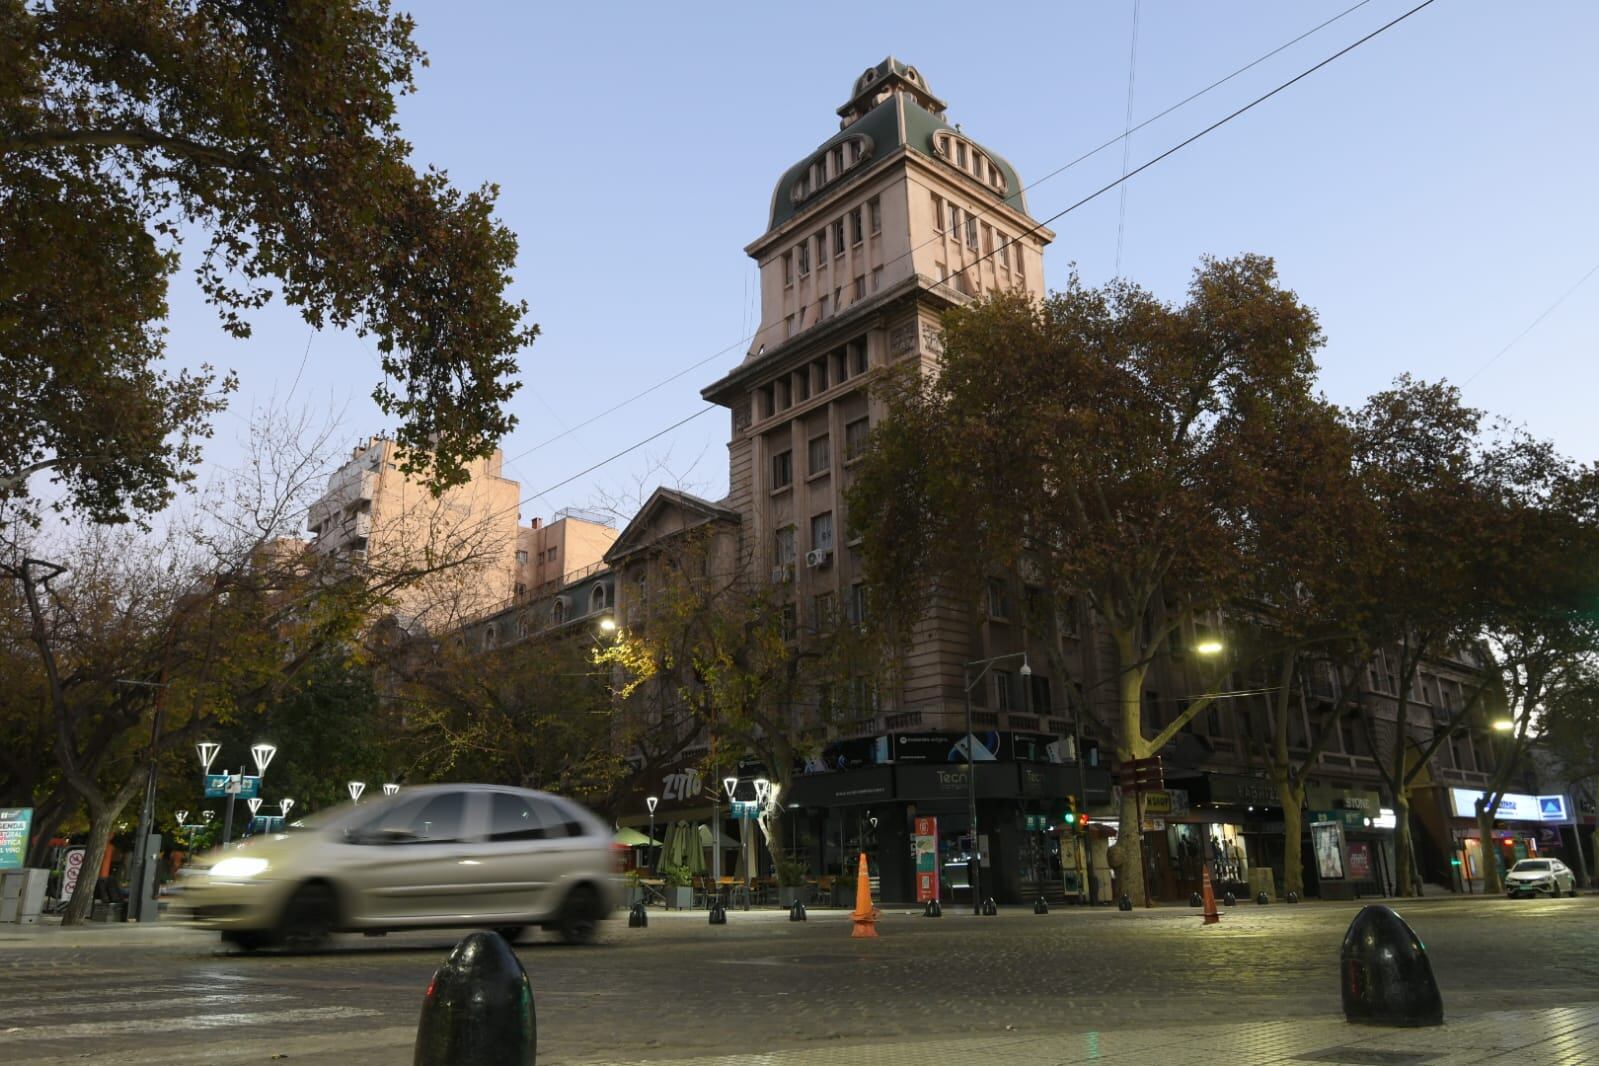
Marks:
<point>1157,803</point>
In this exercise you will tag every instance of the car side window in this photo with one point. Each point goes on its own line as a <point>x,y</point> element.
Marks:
<point>434,819</point>
<point>511,818</point>
<point>557,820</point>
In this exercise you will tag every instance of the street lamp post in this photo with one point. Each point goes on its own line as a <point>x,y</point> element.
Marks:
<point>142,905</point>
<point>356,788</point>
<point>974,860</point>
<point>650,803</point>
<point>1087,841</point>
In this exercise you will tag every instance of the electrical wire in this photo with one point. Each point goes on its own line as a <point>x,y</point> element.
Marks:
<point>1546,313</point>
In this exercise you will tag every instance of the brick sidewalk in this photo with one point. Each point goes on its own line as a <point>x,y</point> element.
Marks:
<point>1559,1036</point>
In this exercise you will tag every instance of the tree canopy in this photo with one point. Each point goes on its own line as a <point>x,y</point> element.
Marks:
<point>268,132</point>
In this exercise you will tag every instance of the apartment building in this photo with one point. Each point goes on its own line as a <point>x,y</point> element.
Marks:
<point>460,545</point>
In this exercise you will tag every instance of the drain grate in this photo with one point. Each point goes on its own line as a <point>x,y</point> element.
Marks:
<point>1351,1055</point>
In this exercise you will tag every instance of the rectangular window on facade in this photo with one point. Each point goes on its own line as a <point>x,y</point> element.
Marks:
<point>822,530</point>
<point>789,628</point>
<point>938,211</point>
<point>1005,691</point>
<point>1040,695</point>
<point>860,287</point>
<point>764,400</point>
<point>1004,250</point>
<point>988,239</point>
<point>838,160</point>
<point>854,151</point>
<point>998,599</point>
<point>855,604</point>
<point>857,230</point>
<point>788,327</point>
<point>820,454</point>
<point>788,268</point>
<point>783,547</point>
<point>824,611</point>
<point>960,155</point>
<point>838,300</point>
<point>803,251</point>
<point>838,237</point>
<point>877,278</point>
<point>802,386</point>
<point>971,233</point>
<point>819,372</point>
<point>874,211</point>
<point>782,469</point>
<point>821,249</point>
<point>1021,267</point>
<point>955,221</point>
<point>521,556</point>
<point>943,271</point>
<point>821,307</point>
<point>857,357</point>
<point>856,434</point>
<point>840,365</point>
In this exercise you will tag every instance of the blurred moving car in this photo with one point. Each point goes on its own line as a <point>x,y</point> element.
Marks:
<point>428,857</point>
<point>1532,876</point>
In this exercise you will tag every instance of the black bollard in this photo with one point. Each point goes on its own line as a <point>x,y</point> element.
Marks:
<point>989,908</point>
<point>1292,897</point>
<point>478,1008</point>
<point>1125,903</point>
<point>1195,901</point>
<point>1229,899</point>
<point>718,913</point>
<point>1386,975</point>
<point>1261,897</point>
<point>932,910</point>
<point>1042,906</point>
<point>637,917</point>
<point>796,913</point>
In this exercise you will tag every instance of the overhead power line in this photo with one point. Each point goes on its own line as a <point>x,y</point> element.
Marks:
<point>1534,324</point>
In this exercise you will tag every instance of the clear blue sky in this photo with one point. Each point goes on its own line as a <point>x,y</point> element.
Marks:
<point>1431,193</point>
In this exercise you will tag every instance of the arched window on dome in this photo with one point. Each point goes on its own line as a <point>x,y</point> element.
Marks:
<point>597,599</point>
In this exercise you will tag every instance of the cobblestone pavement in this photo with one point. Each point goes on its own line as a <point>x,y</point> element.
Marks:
<point>1518,981</point>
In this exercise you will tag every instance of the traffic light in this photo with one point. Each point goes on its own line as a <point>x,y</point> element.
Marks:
<point>1069,819</point>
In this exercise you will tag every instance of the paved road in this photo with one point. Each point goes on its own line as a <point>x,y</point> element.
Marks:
<point>682,988</point>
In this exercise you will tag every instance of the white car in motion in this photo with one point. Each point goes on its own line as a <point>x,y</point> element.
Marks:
<point>1532,876</point>
<point>431,856</point>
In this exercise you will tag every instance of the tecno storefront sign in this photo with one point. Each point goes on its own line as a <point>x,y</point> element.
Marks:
<point>1513,806</point>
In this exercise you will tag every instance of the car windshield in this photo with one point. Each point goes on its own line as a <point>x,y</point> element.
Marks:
<point>1527,866</point>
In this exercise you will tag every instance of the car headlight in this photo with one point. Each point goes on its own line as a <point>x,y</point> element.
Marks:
<point>239,866</point>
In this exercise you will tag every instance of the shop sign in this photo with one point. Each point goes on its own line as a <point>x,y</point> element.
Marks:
<point>1513,806</point>
<point>1347,819</point>
<point>843,789</point>
<point>1166,801</point>
<point>1038,747</point>
<point>944,747</point>
<point>1228,788</point>
<point>15,826</point>
<point>242,785</point>
<point>924,844</point>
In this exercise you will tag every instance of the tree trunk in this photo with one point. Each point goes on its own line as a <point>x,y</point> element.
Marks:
<point>1492,884</point>
<point>1292,797</point>
<point>1404,863</point>
<point>1130,745</point>
<point>101,822</point>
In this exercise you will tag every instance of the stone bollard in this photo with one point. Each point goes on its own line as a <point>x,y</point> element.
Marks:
<point>478,1008</point>
<point>1195,900</point>
<point>1386,975</point>
<point>933,909</point>
<point>1261,897</point>
<point>1125,903</point>
<point>637,917</point>
<point>989,907</point>
<point>1042,906</point>
<point>1292,897</point>
<point>796,913</point>
<point>718,913</point>
<point>1229,899</point>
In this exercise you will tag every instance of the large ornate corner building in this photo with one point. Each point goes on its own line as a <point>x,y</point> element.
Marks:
<point>871,236</point>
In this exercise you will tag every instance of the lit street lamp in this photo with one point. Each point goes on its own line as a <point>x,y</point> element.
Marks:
<point>285,805</point>
<point>650,803</point>
<point>390,788</point>
<point>356,788</point>
<point>1503,725</point>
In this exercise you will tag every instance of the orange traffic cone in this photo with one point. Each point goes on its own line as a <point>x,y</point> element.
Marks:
<point>1210,915</point>
<point>864,915</point>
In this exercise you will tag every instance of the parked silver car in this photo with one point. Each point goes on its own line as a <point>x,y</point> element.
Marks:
<point>1532,876</point>
<point>428,857</point>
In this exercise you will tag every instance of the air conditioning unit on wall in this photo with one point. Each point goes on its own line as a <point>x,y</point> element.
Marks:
<point>818,557</point>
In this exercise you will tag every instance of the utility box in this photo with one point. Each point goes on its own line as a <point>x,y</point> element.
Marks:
<point>22,896</point>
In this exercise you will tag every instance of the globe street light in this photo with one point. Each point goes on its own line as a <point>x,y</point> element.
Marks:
<point>1503,725</point>
<point>607,624</point>
<point>1209,647</point>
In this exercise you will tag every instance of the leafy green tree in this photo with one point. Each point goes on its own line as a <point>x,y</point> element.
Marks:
<point>269,133</point>
<point>1112,444</point>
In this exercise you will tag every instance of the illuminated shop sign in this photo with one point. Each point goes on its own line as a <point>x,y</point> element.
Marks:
<point>1513,807</point>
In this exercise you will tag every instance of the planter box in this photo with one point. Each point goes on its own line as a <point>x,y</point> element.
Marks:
<point>788,895</point>
<point>679,898</point>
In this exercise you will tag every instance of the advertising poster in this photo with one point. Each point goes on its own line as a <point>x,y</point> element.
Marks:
<point>1327,838</point>
<point>15,823</point>
<point>924,841</point>
<point>1359,861</point>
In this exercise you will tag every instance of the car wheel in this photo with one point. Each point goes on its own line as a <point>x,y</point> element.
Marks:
<point>245,941</point>
<point>580,916</point>
<point>309,917</point>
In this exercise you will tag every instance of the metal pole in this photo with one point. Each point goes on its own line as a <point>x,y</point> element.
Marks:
<point>716,838</point>
<point>1143,858</point>
<point>141,843</point>
<point>655,863</point>
<point>1087,840</point>
<point>227,821</point>
<point>974,861</point>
